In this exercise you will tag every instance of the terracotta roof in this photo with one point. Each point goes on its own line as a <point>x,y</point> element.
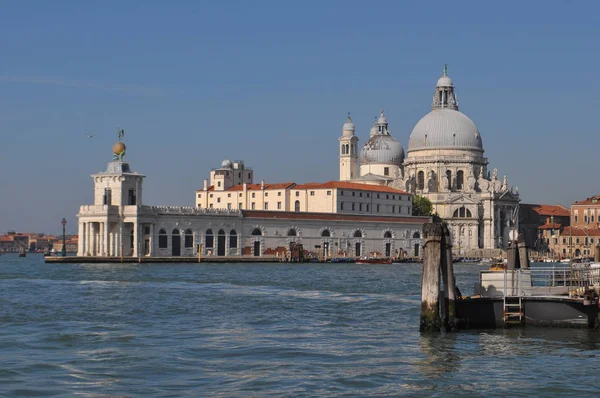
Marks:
<point>568,231</point>
<point>548,210</point>
<point>550,226</point>
<point>258,187</point>
<point>594,200</point>
<point>349,185</point>
<point>331,216</point>
<point>6,239</point>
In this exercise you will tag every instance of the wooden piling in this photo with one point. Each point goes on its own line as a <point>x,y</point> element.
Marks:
<point>430,286</point>
<point>450,321</point>
<point>523,252</point>
<point>510,255</point>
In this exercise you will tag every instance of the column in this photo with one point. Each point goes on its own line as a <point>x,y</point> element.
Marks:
<point>88,244</point>
<point>152,231</point>
<point>101,240</point>
<point>81,243</point>
<point>136,239</point>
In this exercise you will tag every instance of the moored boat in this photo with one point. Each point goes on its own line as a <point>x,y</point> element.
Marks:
<point>373,261</point>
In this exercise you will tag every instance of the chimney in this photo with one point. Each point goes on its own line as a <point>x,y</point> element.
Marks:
<point>262,184</point>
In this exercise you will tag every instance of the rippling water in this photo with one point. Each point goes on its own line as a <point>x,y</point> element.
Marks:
<point>262,330</point>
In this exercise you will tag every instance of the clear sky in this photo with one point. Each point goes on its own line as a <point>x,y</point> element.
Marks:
<point>270,82</point>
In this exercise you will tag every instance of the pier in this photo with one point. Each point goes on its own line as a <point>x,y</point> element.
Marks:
<point>154,260</point>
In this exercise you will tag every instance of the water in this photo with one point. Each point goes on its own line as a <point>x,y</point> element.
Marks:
<point>262,330</point>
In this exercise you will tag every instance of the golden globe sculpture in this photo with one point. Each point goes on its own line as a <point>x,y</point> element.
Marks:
<point>119,148</point>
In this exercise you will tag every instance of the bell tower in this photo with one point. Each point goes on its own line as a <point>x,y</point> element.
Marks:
<point>348,151</point>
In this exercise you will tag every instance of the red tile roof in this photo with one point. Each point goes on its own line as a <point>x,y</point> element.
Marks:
<point>594,200</point>
<point>550,226</point>
<point>568,231</point>
<point>550,210</point>
<point>6,239</point>
<point>258,187</point>
<point>331,216</point>
<point>349,185</point>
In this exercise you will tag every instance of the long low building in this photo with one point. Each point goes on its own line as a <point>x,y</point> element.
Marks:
<point>119,224</point>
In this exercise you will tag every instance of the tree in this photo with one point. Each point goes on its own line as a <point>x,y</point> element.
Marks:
<point>421,206</point>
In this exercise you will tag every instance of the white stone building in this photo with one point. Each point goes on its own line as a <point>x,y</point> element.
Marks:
<point>333,219</point>
<point>445,163</point>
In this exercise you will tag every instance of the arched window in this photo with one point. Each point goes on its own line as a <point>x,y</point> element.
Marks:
<point>416,235</point>
<point>449,176</point>
<point>421,180</point>
<point>462,212</point>
<point>325,233</point>
<point>163,240</point>
<point>232,239</point>
<point>209,239</point>
<point>297,205</point>
<point>357,234</point>
<point>189,238</point>
<point>459,179</point>
<point>256,232</point>
<point>343,149</point>
<point>387,235</point>
<point>291,232</point>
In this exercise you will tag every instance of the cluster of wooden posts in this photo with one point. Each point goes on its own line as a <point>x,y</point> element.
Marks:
<point>438,289</point>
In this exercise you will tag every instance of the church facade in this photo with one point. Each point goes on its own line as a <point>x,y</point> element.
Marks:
<point>444,162</point>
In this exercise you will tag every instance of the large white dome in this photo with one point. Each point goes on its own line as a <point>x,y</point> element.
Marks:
<point>445,128</point>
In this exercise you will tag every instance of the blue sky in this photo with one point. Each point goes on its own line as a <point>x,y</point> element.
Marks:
<point>270,82</point>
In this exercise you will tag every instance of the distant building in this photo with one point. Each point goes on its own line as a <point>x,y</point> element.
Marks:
<point>540,223</point>
<point>585,213</point>
<point>574,242</point>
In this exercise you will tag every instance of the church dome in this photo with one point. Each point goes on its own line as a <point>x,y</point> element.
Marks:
<point>226,164</point>
<point>445,128</point>
<point>382,149</point>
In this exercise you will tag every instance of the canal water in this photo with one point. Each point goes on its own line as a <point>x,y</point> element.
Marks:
<point>259,330</point>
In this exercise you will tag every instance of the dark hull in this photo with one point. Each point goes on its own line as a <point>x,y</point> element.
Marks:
<point>473,313</point>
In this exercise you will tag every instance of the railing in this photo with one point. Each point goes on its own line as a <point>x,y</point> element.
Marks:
<point>551,281</point>
<point>188,210</point>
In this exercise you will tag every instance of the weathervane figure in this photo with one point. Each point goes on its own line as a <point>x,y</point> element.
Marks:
<point>119,148</point>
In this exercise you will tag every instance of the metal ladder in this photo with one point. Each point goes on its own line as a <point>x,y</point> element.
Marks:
<point>513,310</point>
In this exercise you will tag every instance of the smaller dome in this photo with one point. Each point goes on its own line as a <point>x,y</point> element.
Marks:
<point>119,148</point>
<point>445,81</point>
<point>382,149</point>
<point>382,119</point>
<point>373,131</point>
<point>226,164</point>
<point>349,126</point>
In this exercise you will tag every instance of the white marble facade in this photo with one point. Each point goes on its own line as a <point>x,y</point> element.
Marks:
<point>444,162</point>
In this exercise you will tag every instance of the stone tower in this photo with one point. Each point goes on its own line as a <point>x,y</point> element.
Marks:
<point>348,151</point>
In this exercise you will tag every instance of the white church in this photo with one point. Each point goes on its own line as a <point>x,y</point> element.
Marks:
<point>445,163</point>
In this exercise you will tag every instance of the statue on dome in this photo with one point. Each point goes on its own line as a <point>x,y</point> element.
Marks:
<point>495,175</point>
<point>470,181</point>
<point>505,183</point>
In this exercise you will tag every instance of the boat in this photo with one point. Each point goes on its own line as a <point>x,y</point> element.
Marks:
<point>22,252</point>
<point>373,261</point>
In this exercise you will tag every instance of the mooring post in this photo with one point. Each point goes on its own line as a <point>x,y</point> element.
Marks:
<point>449,281</point>
<point>523,252</point>
<point>430,286</point>
<point>597,253</point>
<point>512,256</point>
